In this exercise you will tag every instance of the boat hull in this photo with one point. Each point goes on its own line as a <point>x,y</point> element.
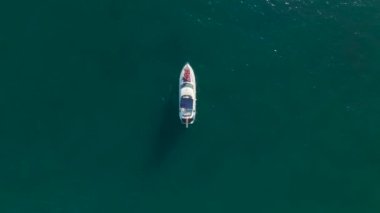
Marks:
<point>187,95</point>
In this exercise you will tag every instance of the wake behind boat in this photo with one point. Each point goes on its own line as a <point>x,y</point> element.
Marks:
<point>187,95</point>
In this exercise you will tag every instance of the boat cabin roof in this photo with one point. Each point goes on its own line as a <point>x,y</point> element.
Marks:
<point>186,102</point>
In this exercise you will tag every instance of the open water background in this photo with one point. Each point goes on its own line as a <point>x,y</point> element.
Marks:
<point>288,106</point>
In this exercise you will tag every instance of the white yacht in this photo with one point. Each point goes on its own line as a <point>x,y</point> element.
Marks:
<point>187,95</point>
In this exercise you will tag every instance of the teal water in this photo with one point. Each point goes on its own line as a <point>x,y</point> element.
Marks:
<point>288,106</point>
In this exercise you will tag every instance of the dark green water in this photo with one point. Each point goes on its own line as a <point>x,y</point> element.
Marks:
<point>288,106</point>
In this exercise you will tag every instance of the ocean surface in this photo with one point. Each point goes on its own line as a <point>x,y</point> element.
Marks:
<point>288,106</point>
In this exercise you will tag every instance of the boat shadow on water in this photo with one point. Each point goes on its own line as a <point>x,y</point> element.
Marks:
<point>170,131</point>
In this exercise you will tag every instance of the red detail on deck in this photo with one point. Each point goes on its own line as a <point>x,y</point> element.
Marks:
<point>186,75</point>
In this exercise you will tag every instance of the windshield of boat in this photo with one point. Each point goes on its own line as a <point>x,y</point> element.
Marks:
<point>187,85</point>
<point>186,102</point>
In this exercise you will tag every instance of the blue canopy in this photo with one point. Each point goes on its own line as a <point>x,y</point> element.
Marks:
<point>186,102</point>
